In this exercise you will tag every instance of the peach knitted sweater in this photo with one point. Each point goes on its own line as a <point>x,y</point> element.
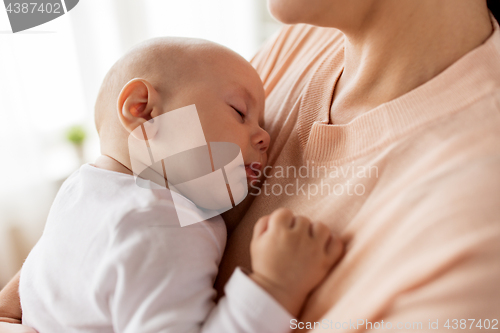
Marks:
<point>413,186</point>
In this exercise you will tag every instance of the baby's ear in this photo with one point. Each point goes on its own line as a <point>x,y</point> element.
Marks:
<point>138,102</point>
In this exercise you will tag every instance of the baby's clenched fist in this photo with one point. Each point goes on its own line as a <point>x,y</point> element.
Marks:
<point>291,256</point>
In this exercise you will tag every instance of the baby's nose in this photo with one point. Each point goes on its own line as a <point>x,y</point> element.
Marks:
<point>262,146</point>
<point>262,140</point>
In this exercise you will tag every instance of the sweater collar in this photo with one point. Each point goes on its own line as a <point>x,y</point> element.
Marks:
<point>469,79</point>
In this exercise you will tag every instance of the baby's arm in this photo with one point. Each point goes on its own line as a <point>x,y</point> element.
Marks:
<point>159,276</point>
<point>154,285</point>
<point>290,257</point>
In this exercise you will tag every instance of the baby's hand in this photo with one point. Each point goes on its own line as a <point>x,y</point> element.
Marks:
<point>291,256</point>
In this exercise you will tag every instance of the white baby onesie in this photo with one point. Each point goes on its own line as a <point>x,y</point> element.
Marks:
<point>113,258</point>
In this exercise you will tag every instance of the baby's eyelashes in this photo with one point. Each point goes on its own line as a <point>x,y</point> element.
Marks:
<point>241,114</point>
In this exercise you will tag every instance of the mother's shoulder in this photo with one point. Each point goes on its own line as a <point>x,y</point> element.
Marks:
<point>296,46</point>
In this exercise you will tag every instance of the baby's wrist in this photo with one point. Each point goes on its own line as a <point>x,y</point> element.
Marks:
<point>286,296</point>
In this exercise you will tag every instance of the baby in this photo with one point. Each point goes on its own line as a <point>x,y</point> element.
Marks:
<point>113,257</point>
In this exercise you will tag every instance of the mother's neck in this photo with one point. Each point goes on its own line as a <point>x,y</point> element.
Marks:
<point>401,45</point>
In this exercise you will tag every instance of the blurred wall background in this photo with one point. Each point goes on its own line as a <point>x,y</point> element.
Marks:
<point>49,79</point>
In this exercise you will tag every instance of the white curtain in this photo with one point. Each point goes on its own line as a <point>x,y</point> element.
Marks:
<point>49,78</point>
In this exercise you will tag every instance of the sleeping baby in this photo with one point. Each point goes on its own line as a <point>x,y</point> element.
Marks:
<point>113,256</point>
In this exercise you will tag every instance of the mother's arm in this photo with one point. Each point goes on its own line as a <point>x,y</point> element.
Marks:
<point>10,304</point>
<point>10,309</point>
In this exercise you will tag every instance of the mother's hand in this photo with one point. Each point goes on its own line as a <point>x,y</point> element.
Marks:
<point>15,328</point>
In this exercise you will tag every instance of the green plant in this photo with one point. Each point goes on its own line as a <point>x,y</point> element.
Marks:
<point>76,135</point>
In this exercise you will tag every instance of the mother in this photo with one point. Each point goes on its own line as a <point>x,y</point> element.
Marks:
<point>388,129</point>
<point>399,101</point>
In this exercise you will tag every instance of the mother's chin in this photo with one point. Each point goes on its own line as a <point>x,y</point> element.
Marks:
<point>324,13</point>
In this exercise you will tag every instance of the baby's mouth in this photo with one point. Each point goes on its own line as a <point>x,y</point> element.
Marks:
<point>253,171</point>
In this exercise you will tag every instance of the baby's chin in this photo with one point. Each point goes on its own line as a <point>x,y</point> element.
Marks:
<point>216,191</point>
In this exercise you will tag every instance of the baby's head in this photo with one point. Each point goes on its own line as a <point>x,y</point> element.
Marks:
<point>166,74</point>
